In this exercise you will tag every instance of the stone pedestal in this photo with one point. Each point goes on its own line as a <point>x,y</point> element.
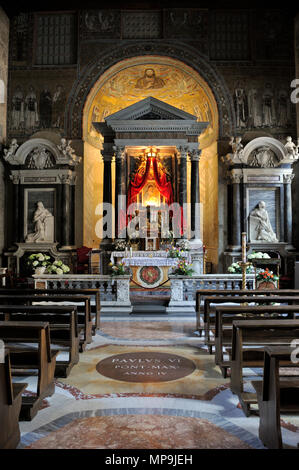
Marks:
<point>178,305</point>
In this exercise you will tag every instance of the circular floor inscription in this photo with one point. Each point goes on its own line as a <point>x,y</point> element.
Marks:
<point>145,366</point>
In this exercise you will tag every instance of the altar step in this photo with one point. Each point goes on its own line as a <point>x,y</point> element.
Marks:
<point>151,308</point>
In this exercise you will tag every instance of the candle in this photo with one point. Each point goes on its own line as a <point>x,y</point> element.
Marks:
<point>243,247</point>
<point>131,252</point>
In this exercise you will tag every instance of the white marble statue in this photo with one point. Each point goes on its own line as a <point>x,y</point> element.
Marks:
<point>260,225</point>
<point>9,154</point>
<point>43,225</point>
<point>292,148</point>
<point>66,149</point>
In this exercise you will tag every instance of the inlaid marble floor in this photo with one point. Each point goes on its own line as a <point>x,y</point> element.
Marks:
<point>140,377</point>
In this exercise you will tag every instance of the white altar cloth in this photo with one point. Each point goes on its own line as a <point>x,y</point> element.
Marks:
<point>147,258</point>
<point>145,261</point>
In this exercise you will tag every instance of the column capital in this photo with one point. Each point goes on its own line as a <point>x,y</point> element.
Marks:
<point>119,151</point>
<point>183,151</point>
<point>15,178</point>
<point>234,177</point>
<point>195,155</point>
<point>288,178</point>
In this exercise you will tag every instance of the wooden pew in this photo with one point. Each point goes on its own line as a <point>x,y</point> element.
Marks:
<point>225,316</point>
<point>93,293</point>
<point>201,293</point>
<point>209,313</point>
<point>248,342</point>
<point>18,336</point>
<point>84,319</point>
<point>10,406</point>
<point>276,394</point>
<point>63,329</point>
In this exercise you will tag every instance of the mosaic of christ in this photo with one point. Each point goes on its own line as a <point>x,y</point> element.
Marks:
<point>169,83</point>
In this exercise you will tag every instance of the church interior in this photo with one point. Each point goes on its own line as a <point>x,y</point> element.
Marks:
<point>149,227</point>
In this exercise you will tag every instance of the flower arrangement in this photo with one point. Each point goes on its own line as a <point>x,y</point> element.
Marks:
<point>37,260</point>
<point>175,252</point>
<point>120,244</point>
<point>57,268</point>
<point>235,268</point>
<point>119,269</point>
<point>183,268</point>
<point>258,255</point>
<point>267,276</point>
<point>184,245</point>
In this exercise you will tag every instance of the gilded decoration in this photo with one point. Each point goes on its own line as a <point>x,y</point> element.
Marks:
<point>170,81</point>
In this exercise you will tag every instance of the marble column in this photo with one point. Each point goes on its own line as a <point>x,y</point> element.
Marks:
<point>182,156</point>
<point>234,231</point>
<point>195,199</point>
<point>120,186</point>
<point>107,181</point>
<point>288,223</point>
<point>66,211</point>
<point>16,208</point>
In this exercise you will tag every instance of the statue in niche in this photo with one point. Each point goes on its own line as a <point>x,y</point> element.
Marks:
<point>254,111</point>
<point>58,103</point>
<point>292,148</point>
<point>149,80</point>
<point>283,111</point>
<point>45,108</point>
<point>241,106</point>
<point>260,225</point>
<point>43,225</point>
<point>17,113</point>
<point>268,107</point>
<point>262,157</point>
<point>31,114</point>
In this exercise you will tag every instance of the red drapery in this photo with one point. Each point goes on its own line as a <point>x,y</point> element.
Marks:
<point>163,186</point>
<point>140,181</point>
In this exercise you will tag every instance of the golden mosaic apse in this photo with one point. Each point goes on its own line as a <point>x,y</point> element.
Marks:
<point>165,79</point>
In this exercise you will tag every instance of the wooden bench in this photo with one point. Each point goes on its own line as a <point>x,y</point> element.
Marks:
<point>248,342</point>
<point>276,394</point>
<point>210,309</point>
<point>84,319</point>
<point>93,293</point>
<point>225,316</point>
<point>63,329</point>
<point>201,293</point>
<point>10,406</point>
<point>18,336</point>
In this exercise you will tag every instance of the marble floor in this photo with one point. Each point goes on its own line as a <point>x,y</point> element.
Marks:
<point>141,377</point>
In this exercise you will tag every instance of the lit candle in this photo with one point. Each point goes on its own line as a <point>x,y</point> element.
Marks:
<point>244,247</point>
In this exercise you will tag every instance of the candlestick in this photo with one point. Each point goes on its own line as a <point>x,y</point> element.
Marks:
<point>243,247</point>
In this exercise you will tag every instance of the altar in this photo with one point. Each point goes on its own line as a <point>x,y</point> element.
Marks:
<point>150,269</point>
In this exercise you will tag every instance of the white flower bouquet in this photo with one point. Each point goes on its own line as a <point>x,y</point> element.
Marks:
<point>57,268</point>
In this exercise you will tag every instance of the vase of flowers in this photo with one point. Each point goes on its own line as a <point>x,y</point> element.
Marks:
<point>119,269</point>
<point>183,268</point>
<point>175,252</point>
<point>58,267</point>
<point>38,262</point>
<point>266,279</point>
